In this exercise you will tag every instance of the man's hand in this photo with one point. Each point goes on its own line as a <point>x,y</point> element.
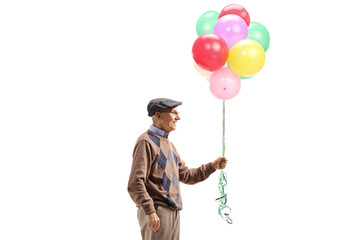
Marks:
<point>153,221</point>
<point>219,163</point>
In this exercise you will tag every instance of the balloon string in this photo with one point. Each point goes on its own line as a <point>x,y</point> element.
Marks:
<point>223,135</point>
<point>223,182</point>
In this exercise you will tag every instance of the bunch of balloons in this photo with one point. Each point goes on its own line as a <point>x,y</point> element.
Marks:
<point>229,48</point>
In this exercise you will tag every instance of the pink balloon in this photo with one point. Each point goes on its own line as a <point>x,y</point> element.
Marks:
<point>225,84</point>
<point>232,28</point>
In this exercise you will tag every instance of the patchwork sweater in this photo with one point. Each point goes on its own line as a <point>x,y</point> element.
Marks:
<point>156,172</point>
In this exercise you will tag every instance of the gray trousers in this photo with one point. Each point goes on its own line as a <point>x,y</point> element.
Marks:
<point>169,225</point>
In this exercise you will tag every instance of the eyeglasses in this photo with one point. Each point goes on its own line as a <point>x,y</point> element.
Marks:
<point>173,113</point>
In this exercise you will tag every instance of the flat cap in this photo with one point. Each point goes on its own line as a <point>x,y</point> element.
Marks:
<point>160,104</point>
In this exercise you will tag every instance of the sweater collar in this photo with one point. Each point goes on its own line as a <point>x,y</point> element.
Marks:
<point>158,131</point>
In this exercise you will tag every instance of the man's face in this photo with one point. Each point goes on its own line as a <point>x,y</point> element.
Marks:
<point>168,119</point>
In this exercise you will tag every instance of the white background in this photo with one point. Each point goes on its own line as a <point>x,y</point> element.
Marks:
<point>75,79</point>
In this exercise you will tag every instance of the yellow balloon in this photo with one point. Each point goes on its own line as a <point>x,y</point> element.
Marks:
<point>246,57</point>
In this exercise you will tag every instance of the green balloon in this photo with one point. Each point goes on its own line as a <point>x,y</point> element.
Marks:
<point>245,77</point>
<point>206,22</point>
<point>259,33</point>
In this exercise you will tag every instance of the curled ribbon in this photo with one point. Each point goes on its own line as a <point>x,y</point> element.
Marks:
<point>223,210</point>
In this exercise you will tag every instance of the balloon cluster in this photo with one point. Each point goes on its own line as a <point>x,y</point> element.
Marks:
<point>229,48</point>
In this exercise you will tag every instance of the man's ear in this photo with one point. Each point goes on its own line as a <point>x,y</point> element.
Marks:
<point>158,115</point>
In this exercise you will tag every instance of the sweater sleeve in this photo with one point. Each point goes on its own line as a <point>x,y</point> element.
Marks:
<point>194,175</point>
<point>140,170</point>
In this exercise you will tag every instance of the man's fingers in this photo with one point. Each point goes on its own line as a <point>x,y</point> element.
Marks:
<point>220,163</point>
<point>153,226</point>
<point>153,223</point>
<point>150,225</point>
<point>222,159</point>
<point>223,162</point>
<point>157,225</point>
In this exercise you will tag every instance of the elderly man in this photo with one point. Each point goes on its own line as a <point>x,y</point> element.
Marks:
<point>156,171</point>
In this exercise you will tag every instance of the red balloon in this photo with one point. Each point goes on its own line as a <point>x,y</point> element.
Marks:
<point>237,10</point>
<point>210,52</point>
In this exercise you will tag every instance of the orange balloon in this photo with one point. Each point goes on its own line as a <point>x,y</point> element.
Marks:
<point>203,72</point>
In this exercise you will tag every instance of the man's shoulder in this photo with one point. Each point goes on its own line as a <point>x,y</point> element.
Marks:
<point>150,138</point>
<point>143,137</point>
